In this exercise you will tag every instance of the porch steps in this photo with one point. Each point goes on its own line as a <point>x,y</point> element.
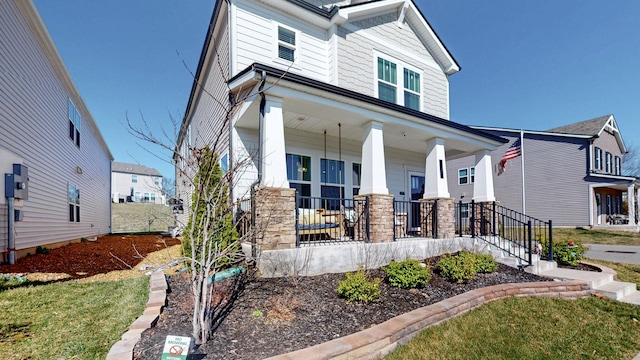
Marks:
<point>633,298</point>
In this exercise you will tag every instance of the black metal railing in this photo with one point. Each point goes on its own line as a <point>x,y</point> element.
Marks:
<point>517,234</point>
<point>415,219</point>
<point>330,220</point>
<point>243,219</point>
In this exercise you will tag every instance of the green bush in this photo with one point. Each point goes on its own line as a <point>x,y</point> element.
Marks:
<point>216,223</point>
<point>42,250</point>
<point>357,287</point>
<point>459,268</point>
<point>565,253</point>
<point>407,274</point>
<point>485,263</point>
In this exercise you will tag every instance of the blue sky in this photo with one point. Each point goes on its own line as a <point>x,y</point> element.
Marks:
<point>525,64</point>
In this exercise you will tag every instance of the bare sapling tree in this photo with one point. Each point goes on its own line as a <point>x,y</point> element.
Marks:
<point>210,240</point>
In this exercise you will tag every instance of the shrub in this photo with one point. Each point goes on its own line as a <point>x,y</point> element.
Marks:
<point>485,263</point>
<point>407,274</point>
<point>565,253</point>
<point>42,250</point>
<point>357,287</point>
<point>459,268</point>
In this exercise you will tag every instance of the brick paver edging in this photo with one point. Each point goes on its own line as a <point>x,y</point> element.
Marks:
<point>379,340</point>
<point>123,349</point>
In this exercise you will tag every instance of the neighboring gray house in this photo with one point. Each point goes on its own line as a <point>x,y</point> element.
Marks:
<point>136,183</point>
<point>572,174</point>
<point>332,99</point>
<point>46,126</point>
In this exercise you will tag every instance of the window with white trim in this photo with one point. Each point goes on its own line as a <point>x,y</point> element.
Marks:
<point>388,88</point>
<point>618,165</point>
<point>74,123</point>
<point>597,163</point>
<point>73,195</point>
<point>134,179</point>
<point>287,44</point>
<point>156,180</point>
<point>153,197</point>
<point>608,162</point>
<point>299,173</point>
<point>355,175</point>
<point>466,176</point>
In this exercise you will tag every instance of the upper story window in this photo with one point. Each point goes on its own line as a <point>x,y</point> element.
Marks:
<point>74,123</point>
<point>134,178</point>
<point>466,176</point>
<point>608,162</point>
<point>406,93</point>
<point>287,44</point>
<point>597,163</point>
<point>618,166</point>
<point>156,180</point>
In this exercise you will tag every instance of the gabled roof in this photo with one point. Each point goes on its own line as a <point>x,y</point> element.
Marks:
<point>359,9</point>
<point>591,127</point>
<point>588,129</point>
<point>134,169</point>
<point>594,127</point>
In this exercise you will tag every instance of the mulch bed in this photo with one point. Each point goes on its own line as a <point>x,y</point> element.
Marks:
<point>275,316</point>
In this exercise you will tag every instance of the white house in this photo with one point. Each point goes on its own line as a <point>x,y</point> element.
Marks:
<point>136,183</point>
<point>46,127</point>
<point>340,100</point>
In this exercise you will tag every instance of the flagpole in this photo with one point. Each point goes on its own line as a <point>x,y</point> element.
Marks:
<point>522,169</point>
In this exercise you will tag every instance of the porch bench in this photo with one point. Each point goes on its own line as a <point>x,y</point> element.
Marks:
<point>329,224</point>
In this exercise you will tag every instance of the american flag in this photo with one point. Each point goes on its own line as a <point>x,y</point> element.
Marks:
<point>512,152</point>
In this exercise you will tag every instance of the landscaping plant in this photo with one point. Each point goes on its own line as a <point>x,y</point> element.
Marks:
<point>358,287</point>
<point>485,263</point>
<point>459,268</point>
<point>566,252</point>
<point>407,274</point>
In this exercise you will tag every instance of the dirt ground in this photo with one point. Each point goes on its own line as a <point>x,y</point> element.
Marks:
<point>110,257</point>
<point>268,317</point>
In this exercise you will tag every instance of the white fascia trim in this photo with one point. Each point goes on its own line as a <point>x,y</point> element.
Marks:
<point>450,67</point>
<point>613,177</point>
<point>299,12</point>
<point>248,78</point>
<point>364,10</point>
<point>233,40</point>
<point>532,132</point>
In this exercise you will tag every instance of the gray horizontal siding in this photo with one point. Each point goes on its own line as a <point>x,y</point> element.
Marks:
<point>34,125</point>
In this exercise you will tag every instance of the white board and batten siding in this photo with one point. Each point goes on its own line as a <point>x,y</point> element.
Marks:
<point>360,41</point>
<point>256,39</point>
<point>34,92</point>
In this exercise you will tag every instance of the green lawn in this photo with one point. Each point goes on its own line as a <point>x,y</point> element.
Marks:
<point>607,237</point>
<point>533,328</point>
<point>68,320</point>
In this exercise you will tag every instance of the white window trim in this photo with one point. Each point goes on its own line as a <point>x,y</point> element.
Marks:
<point>597,158</point>
<point>468,176</point>
<point>296,48</point>
<point>400,66</point>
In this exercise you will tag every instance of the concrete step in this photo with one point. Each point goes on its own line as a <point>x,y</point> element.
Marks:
<point>593,277</point>
<point>541,266</point>
<point>633,298</point>
<point>616,289</point>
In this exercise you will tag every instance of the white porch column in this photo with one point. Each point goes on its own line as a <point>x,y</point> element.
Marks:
<point>483,190</point>
<point>274,156</point>
<point>374,175</point>
<point>631,198</point>
<point>435,177</point>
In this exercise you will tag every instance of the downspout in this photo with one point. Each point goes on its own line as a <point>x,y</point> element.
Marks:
<point>263,102</point>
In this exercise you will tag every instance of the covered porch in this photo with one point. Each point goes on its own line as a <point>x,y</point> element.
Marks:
<point>329,164</point>
<point>614,204</point>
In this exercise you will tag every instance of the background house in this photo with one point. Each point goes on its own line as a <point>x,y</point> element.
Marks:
<point>46,126</point>
<point>136,183</point>
<point>572,174</point>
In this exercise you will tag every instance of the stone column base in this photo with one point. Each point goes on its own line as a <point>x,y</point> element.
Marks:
<point>381,221</point>
<point>446,217</point>
<point>275,222</point>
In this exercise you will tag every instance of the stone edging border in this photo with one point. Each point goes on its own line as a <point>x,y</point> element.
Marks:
<point>123,349</point>
<point>382,339</point>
